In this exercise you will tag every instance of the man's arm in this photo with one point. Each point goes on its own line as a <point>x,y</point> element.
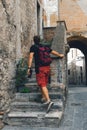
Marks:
<point>30,59</point>
<point>57,54</point>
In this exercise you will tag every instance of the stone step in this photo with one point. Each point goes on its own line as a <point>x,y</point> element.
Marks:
<point>34,106</point>
<point>31,84</point>
<point>31,79</point>
<point>35,119</point>
<point>25,97</point>
<point>33,87</point>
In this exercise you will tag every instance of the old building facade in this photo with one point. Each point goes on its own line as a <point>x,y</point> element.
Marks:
<point>74,13</point>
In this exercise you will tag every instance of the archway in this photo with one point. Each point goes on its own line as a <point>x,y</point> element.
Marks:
<point>80,43</point>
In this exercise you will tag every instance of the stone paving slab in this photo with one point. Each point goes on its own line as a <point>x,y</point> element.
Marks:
<point>26,97</point>
<point>56,102</point>
<point>37,128</point>
<point>38,119</point>
<point>33,128</point>
<point>53,114</point>
<point>34,106</point>
<point>27,128</point>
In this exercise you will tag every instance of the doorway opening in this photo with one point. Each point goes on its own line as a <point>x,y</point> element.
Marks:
<point>76,67</point>
<point>78,42</point>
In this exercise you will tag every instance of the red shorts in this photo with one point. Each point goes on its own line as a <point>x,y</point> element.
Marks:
<point>42,76</point>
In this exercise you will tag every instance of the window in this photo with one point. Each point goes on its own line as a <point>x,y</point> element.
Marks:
<point>69,72</point>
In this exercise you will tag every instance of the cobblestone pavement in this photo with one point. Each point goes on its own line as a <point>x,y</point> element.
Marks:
<point>75,115</point>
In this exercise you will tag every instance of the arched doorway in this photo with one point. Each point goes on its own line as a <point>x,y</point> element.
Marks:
<point>80,43</point>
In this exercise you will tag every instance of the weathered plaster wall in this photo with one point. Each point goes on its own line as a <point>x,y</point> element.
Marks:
<point>28,23</point>
<point>18,24</point>
<point>7,51</point>
<point>74,13</point>
<point>59,66</point>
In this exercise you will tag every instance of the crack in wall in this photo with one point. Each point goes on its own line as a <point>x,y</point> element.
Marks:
<point>8,16</point>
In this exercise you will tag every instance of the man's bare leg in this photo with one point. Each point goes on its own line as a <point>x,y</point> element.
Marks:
<point>45,93</point>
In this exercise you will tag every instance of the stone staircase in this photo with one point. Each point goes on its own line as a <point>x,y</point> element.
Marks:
<point>26,109</point>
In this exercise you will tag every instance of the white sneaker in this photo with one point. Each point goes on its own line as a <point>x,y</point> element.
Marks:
<point>49,106</point>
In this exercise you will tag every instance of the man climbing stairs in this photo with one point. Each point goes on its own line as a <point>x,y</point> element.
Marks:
<point>27,109</point>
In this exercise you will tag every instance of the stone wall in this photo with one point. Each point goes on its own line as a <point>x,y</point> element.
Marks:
<point>18,24</point>
<point>59,66</point>
<point>49,32</point>
<point>28,23</point>
<point>7,51</point>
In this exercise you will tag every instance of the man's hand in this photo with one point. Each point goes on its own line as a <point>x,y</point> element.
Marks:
<point>61,55</point>
<point>57,54</point>
<point>29,72</point>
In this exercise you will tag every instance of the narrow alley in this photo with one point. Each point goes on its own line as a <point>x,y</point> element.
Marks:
<point>62,26</point>
<point>75,115</point>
